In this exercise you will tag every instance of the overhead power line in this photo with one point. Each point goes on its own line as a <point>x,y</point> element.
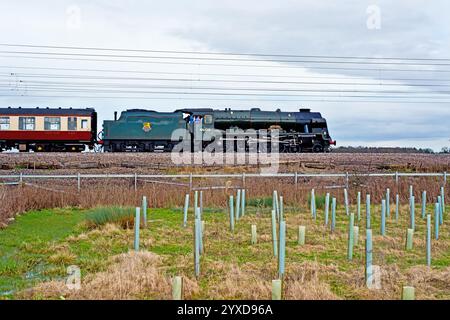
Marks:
<point>197,80</point>
<point>65,54</point>
<point>223,53</point>
<point>192,74</point>
<point>227,99</point>
<point>229,65</point>
<point>59,89</point>
<point>218,92</point>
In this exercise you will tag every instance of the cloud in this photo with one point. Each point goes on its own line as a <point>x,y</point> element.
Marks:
<point>416,28</point>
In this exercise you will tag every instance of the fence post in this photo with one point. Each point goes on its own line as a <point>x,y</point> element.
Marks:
<point>424,203</point>
<point>282,249</point>
<point>333,214</point>
<point>135,181</point>
<point>177,288</point>
<point>396,179</point>
<point>408,293</point>
<point>185,211</point>
<point>409,239</point>
<point>78,182</point>
<point>144,210</point>
<point>369,251</point>
<point>231,204</point>
<point>350,236</point>
<point>243,180</point>
<point>367,211</point>
<point>301,235</point>
<point>190,182</point>
<point>383,218</point>
<point>296,178</point>
<point>436,220</point>
<point>327,206</point>
<point>428,239</point>
<point>274,234</point>
<point>254,234</point>
<point>412,217</point>
<point>276,289</point>
<point>137,225</point>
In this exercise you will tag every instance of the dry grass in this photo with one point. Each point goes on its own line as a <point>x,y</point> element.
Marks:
<point>239,283</point>
<point>132,275</point>
<point>304,281</point>
<point>17,200</point>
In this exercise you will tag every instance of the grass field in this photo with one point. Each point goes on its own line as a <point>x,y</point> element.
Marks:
<point>38,247</point>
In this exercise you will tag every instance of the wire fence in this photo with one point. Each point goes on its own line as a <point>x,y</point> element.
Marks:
<point>19,179</point>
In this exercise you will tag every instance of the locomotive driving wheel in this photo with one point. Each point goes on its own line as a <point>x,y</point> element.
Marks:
<point>317,147</point>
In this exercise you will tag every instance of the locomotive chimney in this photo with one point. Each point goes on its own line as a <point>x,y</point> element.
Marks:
<point>115,115</point>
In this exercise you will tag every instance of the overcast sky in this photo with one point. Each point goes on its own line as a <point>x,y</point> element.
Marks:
<point>405,29</point>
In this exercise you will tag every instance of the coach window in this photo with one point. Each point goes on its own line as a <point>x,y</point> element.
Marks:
<point>84,124</point>
<point>52,123</point>
<point>72,123</point>
<point>27,123</point>
<point>4,123</point>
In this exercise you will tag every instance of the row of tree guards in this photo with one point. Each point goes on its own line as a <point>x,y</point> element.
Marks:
<point>278,224</point>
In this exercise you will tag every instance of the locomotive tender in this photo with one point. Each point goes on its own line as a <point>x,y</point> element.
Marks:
<point>148,131</point>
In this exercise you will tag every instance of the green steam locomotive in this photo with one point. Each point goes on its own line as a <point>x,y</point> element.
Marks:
<point>142,130</point>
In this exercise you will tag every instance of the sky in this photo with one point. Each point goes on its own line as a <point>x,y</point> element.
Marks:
<point>410,29</point>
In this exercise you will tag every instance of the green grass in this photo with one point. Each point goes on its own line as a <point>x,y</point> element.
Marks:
<point>124,216</point>
<point>320,201</point>
<point>40,245</point>
<point>260,202</point>
<point>25,246</point>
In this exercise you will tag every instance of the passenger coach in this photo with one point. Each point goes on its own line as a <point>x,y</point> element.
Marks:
<point>45,129</point>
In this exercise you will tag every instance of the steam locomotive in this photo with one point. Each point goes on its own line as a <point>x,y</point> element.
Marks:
<point>149,131</point>
<point>139,130</point>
